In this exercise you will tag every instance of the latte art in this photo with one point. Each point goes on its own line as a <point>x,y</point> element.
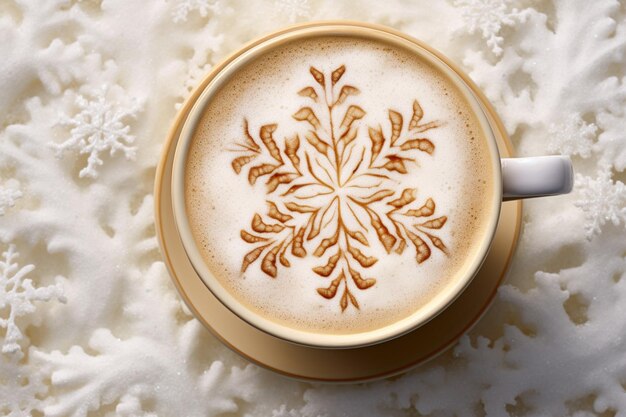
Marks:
<point>333,191</point>
<point>338,185</point>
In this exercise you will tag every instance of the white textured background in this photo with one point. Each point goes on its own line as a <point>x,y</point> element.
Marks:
<point>90,324</point>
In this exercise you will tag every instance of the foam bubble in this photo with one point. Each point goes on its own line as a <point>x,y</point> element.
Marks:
<point>456,176</point>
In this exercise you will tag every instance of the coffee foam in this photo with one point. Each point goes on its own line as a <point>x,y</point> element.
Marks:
<point>457,176</point>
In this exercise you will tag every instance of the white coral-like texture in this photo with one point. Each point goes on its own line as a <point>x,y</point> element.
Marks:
<point>18,296</point>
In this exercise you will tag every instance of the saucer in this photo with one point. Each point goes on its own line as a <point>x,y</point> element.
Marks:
<point>332,365</point>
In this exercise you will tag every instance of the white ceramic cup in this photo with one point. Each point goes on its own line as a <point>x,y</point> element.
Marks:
<point>514,178</point>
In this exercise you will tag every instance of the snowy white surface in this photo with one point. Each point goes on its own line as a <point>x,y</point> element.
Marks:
<point>89,321</point>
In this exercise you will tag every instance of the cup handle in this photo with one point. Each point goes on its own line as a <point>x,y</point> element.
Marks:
<point>536,176</point>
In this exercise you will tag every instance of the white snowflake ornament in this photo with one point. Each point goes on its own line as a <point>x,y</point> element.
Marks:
<point>602,200</point>
<point>489,17</point>
<point>572,137</point>
<point>98,127</point>
<point>17,295</point>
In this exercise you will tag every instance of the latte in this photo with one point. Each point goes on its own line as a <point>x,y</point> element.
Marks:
<point>338,185</point>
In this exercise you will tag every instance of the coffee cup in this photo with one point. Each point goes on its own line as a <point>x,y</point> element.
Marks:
<point>340,185</point>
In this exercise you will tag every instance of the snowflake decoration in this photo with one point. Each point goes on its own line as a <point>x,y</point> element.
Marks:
<point>9,194</point>
<point>294,9</point>
<point>489,17</point>
<point>184,7</point>
<point>17,295</point>
<point>572,137</point>
<point>100,126</point>
<point>333,185</point>
<point>603,200</point>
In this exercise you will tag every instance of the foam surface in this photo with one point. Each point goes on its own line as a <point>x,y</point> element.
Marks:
<point>456,175</point>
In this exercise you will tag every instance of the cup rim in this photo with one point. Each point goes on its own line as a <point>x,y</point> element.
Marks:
<point>249,53</point>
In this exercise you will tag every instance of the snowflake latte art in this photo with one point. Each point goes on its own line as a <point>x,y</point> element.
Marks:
<point>338,185</point>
